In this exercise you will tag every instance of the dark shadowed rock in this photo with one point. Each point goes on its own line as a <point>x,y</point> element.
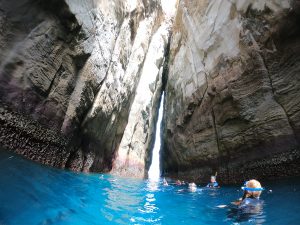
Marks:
<point>80,82</point>
<point>73,68</point>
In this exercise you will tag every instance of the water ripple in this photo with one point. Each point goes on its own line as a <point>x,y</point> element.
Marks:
<point>39,195</point>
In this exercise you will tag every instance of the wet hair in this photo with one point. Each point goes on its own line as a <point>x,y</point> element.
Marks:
<point>252,184</point>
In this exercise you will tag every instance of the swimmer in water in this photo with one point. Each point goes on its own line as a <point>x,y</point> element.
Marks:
<point>165,183</point>
<point>178,182</point>
<point>213,182</point>
<point>252,191</point>
<point>250,206</point>
<point>192,187</point>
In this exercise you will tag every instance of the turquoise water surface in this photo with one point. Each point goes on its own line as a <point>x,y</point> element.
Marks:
<point>34,194</point>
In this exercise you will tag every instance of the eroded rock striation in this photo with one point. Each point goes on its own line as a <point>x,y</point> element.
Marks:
<point>233,97</point>
<point>80,85</point>
<point>71,75</point>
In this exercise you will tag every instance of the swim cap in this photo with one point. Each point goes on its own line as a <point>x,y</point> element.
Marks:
<point>253,186</point>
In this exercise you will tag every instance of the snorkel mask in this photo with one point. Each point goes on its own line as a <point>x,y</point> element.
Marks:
<point>245,188</point>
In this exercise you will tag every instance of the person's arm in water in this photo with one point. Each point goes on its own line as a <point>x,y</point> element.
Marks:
<point>236,203</point>
<point>212,185</point>
<point>216,185</point>
<point>208,185</point>
<point>239,201</point>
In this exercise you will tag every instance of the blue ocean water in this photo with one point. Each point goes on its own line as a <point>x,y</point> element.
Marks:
<point>35,194</point>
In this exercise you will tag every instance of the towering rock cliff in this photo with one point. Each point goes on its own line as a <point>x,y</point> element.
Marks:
<point>71,78</point>
<point>233,98</point>
<point>80,84</point>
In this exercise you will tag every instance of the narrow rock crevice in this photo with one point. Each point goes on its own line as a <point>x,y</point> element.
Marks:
<point>227,158</point>
<point>90,75</point>
<point>278,102</point>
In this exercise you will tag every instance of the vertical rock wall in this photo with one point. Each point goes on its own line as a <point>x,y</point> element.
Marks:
<point>233,90</point>
<point>69,75</point>
<point>136,141</point>
<point>80,83</point>
<point>38,72</point>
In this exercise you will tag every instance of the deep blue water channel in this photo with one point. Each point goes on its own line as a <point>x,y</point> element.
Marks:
<point>35,194</point>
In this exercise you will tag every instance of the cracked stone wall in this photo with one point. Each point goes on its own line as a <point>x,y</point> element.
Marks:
<point>69,75</point>
<point>37,76</point>
<point>233,91</point>
<point>80,82</point>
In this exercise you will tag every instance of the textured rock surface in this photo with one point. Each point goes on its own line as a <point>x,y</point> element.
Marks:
<point>29,138</point>
<point>233,90</point>
<point>131,155</point>
<point>37,75</point>
<point>70,70</point>
<point>80,83</point>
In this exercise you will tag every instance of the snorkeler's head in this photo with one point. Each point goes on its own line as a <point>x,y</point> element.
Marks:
<point>192,185</point>
<point>253,188</point>
<point>213,179</point>
<point>178,182</point>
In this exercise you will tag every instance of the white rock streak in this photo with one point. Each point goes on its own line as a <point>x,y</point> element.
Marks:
<point>131,154</point>
<point>154,171</point>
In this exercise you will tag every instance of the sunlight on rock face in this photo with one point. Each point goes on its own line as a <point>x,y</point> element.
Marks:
<point>169,7</point>
<point>154,171</point>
